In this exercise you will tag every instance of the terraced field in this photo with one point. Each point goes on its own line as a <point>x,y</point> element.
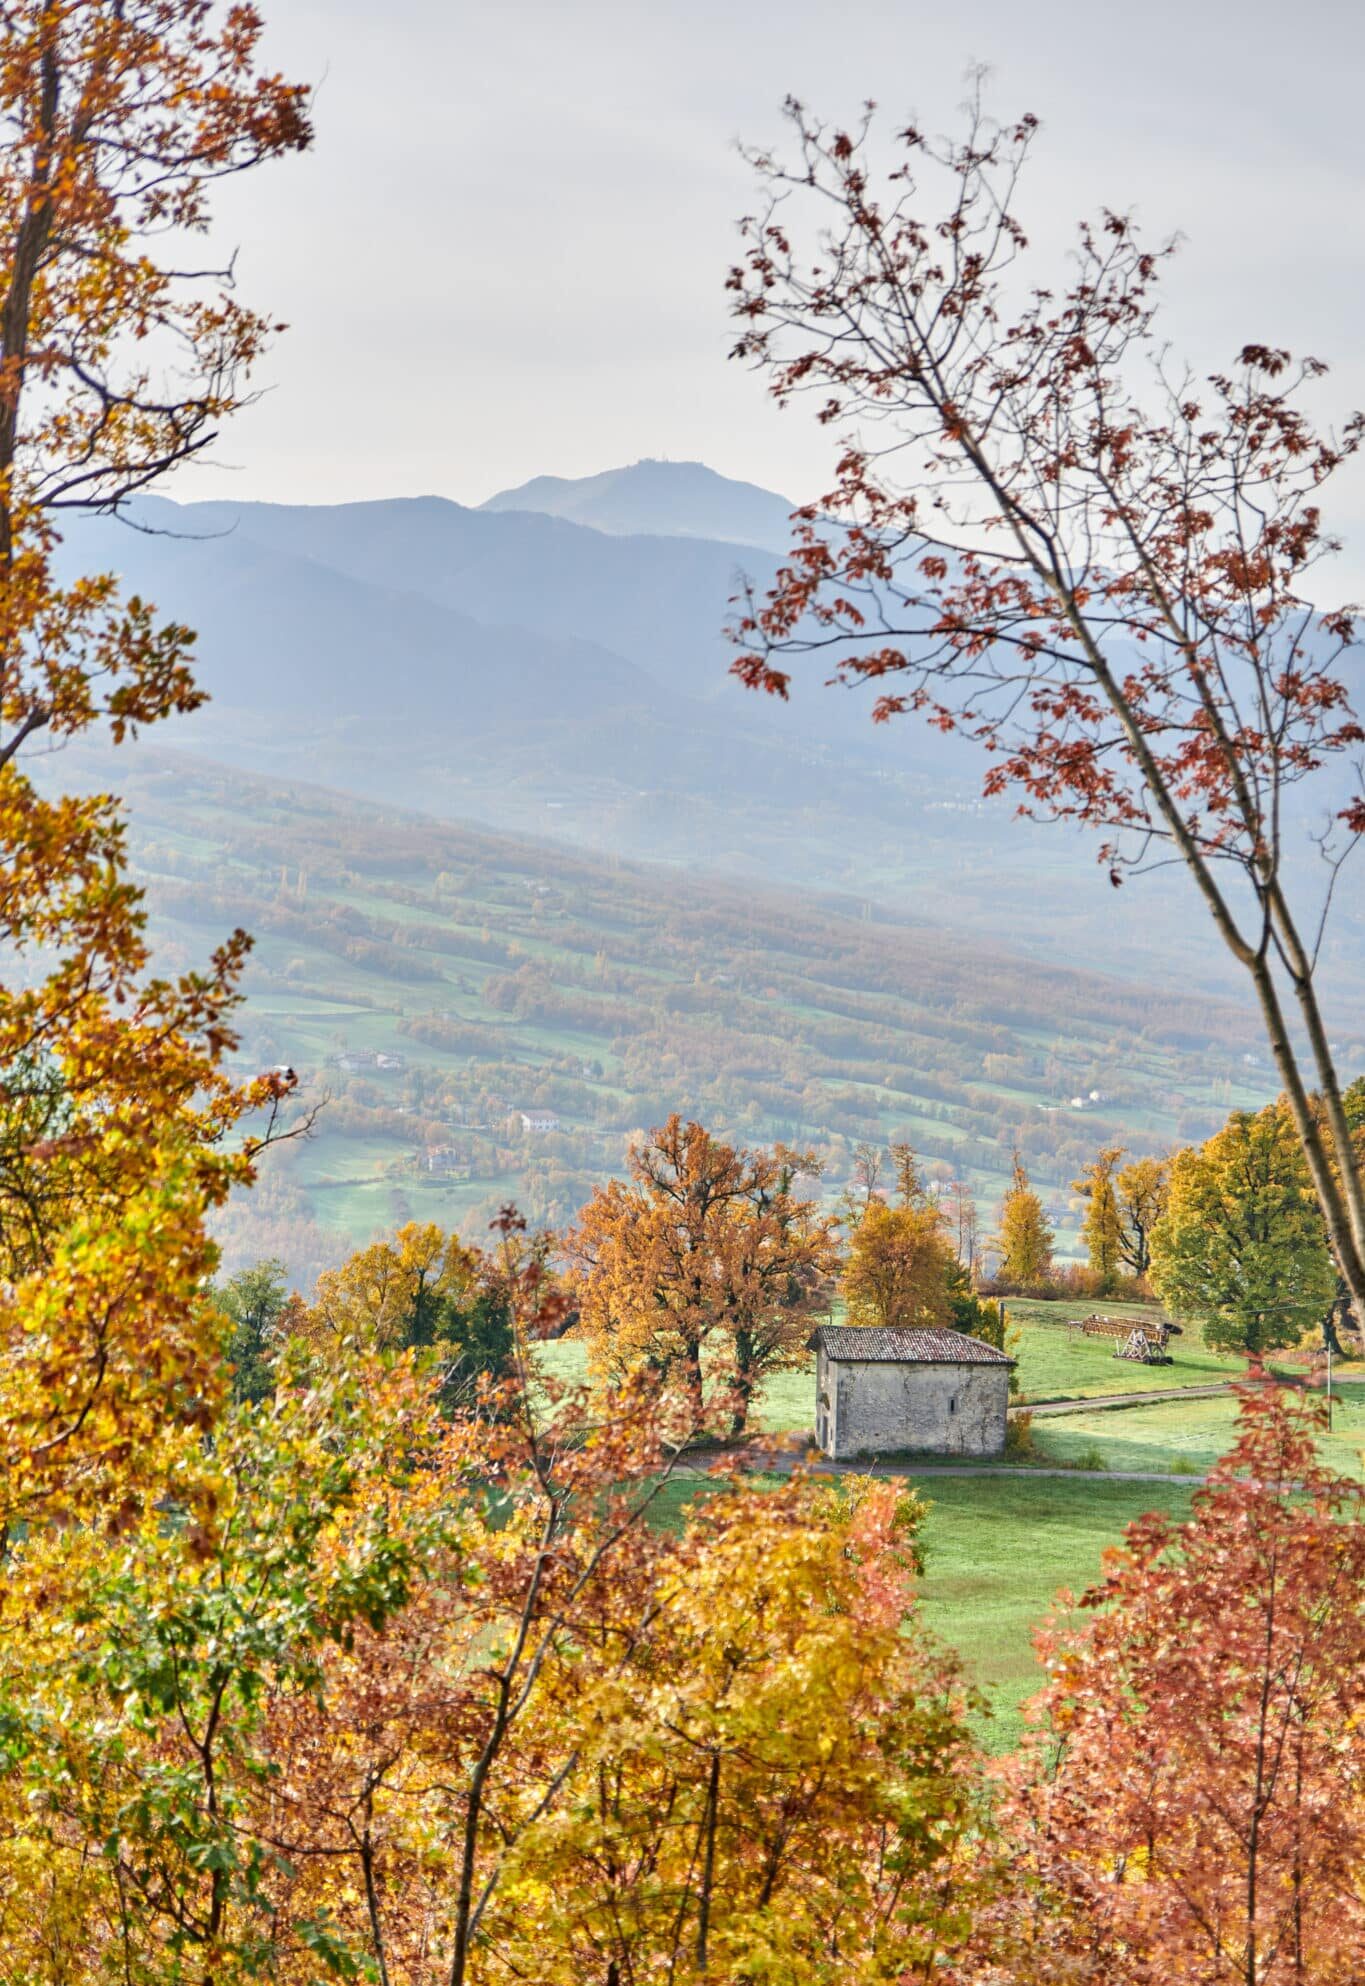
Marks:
<point>497,974</point>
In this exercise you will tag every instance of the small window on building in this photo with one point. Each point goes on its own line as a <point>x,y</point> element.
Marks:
<point>952,1404</point>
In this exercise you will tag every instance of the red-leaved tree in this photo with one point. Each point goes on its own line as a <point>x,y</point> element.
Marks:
<point>1043,535</point>
<point>1194,1810</point>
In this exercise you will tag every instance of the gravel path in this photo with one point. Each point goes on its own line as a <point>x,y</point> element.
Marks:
<point>783,1463</point>
<point>1099,1402</point>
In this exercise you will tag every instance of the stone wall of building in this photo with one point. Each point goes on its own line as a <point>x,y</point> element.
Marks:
<point>876,1408</point>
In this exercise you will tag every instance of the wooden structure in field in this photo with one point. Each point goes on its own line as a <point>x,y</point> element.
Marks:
<point>1145,1343</point>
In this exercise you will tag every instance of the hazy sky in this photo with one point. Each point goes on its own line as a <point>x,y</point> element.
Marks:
<point>506,254</point>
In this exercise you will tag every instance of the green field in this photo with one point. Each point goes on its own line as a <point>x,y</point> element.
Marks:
<point>1000,1547</point>
<point>982,1595</point>
<point>1059,1364</point>
<point>1187,1436</point>
<point>497,974</point>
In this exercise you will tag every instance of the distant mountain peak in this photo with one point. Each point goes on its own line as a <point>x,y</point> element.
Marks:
<point>656,497</point>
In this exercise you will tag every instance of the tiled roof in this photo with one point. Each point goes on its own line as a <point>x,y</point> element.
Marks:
<point>875,1345</point>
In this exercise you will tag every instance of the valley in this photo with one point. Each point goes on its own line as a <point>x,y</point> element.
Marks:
<point>432,982</point>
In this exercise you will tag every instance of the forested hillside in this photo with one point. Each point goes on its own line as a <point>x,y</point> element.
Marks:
<point>498,975</point>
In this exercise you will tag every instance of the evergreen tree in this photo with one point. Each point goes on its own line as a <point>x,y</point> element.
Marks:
<point>1026,1235</point>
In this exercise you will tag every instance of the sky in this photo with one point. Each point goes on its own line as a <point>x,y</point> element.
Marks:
<point>506,255</point>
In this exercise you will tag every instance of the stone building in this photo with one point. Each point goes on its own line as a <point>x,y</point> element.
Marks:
<point>878,1391</point>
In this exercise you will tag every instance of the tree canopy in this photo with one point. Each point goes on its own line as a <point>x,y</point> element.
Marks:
<point>1241,1245</point>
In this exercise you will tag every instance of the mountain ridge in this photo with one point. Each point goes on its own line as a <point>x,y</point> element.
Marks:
<point>656,496</point>
<point>532,673</point>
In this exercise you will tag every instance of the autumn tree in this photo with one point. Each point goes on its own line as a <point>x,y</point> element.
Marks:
<point>1141,1188</point>
<point>910,1188</point>
<point>121,354</point>
<point>1191,1811</point>
<point>1025,1239</point>
<point>963,1224</point>
<point>311,1707</point>
<point>1047,534</point>
<point>781,1785</point>
<point>422,1290</point>
<point>147,1674</point>
<point>1241,1244</point>
<point>706,1267</point>
<point>897,1270</point>
<point>1102,1227</point>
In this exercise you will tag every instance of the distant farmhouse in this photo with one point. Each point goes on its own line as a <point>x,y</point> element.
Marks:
<point>878,1391</point>
<point>355,1060</point>
<point>537,1122</point>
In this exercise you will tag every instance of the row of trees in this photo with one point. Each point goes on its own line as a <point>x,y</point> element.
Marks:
<point>1228,1233</point>
<point>710,1263</point>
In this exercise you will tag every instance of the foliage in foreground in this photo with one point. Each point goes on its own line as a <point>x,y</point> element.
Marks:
<point>1193,1806</point>
<point>429,1697</point>
<point>117,1109</point>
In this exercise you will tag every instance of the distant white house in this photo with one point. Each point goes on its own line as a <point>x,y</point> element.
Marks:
<point>354,1060</point>
<point>537,1122</point>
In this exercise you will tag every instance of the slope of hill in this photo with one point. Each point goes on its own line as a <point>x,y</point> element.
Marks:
<point>534,674</point>
<point>498,974</point>
<point>677,499</point>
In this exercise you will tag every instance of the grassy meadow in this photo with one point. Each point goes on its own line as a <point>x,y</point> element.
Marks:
<point>1000,1547</point>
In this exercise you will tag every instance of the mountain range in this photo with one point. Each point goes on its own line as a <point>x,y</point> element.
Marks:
<point>555,662</point>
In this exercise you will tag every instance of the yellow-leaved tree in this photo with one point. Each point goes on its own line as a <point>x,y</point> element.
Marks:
<point>116,119</point>
<point>1241,1247</point>
<point>1025,1238</point>
<point>900,1263</point>
<point>1102,1228</point>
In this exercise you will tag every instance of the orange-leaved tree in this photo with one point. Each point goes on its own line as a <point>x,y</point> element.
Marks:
<point>705,1267</point>
<point>899,1267</point>
<point>1193,1809</point>
<point>117,360</point>
<point>1046,535</point>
